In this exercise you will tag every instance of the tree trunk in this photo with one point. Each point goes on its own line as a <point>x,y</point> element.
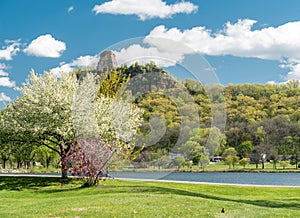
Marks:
<point>296,158</point>
<point>64,168</point>
<point>28,164</point>
<point>64,164</point>
<point>48,160</point>
<point>4,163</point>
<point>64,173</point>
<point>11,164</point>
<point>19,164</point>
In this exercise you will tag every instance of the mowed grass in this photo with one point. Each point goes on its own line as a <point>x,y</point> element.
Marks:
<point>46,197</point>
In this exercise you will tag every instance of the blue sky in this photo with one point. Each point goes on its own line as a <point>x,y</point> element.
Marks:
<point>249,41</point>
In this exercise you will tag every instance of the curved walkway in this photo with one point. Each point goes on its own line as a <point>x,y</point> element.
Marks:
<point>206,183</point>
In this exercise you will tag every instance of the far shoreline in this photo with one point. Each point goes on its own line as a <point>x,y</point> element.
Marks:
<point>144,170</point>
<point>209,171</point>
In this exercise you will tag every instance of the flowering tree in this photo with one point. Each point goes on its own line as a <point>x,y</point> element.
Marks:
<point>90,158</point>
<point>43,115</point>
<point>56,112</point>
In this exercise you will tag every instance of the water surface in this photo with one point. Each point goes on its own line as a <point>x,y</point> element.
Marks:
<point>280,179</point>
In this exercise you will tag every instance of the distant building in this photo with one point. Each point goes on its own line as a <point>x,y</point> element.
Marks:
<point>217,159</point>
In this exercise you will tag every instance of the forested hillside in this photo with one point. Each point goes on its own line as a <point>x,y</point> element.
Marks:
<point>262,121</point>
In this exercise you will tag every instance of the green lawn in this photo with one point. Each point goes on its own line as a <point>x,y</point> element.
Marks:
<point>46,197</point>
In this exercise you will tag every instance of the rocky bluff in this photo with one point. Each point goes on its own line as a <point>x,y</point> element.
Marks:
<point>107,62</point>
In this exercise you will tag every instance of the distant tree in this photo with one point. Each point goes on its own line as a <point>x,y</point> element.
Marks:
<point>229,152</point>
<point>191,149</point>
<point>143,158</point>
<point>255,156</point>
<point>114,84</point>
<point>273,156</point>
<point>244,162</point>
<point>202,141</point>
<point>293,84</point>
<point>203,161</point>
<point>44,155</point>
<point>5,153</point>
<point>292,146</point>
<point>194,87</point>
<point>231,161</point>
<point>284,164</point>
<point>178,161</point>
<point>236,133</point>
<point>230,157</point>
<point>22,154</point>
<point>245,148</point>
<point>216,141</point>
<point>163,161</point>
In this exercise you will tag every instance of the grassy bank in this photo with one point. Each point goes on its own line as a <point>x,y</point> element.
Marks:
<point>212,167</point>
<point>219,167</point>
<point>46,197</point>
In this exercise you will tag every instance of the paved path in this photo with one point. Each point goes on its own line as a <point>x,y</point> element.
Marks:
<point>208,183</point>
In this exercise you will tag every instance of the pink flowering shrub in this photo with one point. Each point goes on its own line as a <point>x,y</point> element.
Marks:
<point>90,158</point>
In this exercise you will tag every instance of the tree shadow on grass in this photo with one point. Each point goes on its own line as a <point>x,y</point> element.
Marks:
<point>261,203</point>
<point>19,183</point>
<point>286,203</point>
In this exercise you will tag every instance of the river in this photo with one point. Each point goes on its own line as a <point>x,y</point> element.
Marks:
<point>269,179</point>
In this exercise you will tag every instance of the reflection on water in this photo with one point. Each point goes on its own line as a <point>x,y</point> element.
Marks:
<point>284,179</point>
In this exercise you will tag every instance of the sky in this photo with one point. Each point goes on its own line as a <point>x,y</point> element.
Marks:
<point>249,41</point>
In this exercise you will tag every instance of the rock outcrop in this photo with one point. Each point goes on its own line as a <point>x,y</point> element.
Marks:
<point>107,62</point>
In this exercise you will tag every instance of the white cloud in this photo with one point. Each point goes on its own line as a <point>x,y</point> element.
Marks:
<point>85,61</point>
<point>5,81</point>
<point>4,97</point>
<point>169,46</point>
<point>294,72</point>
<point>71,8</point>
<point>280,43</point>
<point>45,46</point>
<point>82,61</point>
<point>142,55</point>
<point>145,9</point>
<point>2,68</point>
<point>238,40</point>
<point>7,52</point>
